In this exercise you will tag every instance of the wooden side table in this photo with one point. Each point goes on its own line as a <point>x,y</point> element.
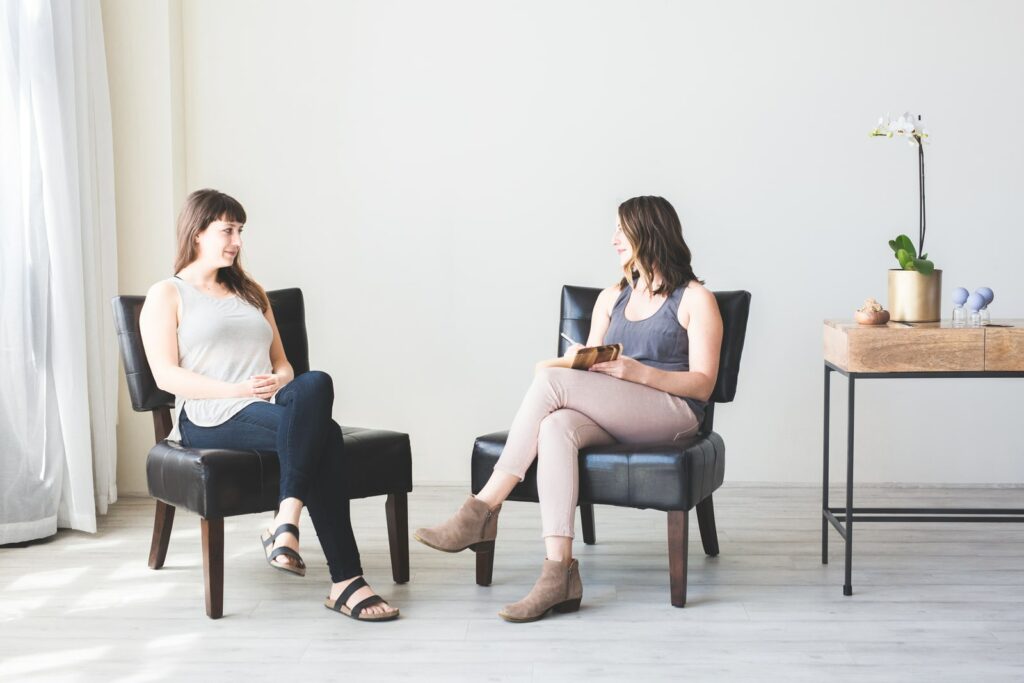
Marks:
<point>911,351</point>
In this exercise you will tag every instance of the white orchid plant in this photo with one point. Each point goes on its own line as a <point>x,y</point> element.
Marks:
<point>913,129</point>
<point>906,125</point>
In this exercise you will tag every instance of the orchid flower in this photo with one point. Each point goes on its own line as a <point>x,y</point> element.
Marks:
<point>906,125</point>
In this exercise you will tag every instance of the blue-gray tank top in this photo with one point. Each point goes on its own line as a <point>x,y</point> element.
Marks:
<point>658,341</point>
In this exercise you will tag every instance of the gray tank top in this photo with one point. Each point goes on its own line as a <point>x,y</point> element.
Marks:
<point>658,341</point>
<point>226,339</point>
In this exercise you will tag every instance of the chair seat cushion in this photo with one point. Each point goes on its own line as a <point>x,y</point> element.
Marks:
<point>216,482</point>
<point>674,475</point>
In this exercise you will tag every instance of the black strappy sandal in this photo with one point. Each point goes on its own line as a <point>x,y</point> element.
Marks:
<point>268,539</point>
<point>357,611</point>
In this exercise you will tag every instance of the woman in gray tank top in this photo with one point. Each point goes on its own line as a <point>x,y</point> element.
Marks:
<point>211,340</point>
<point>671,332</point>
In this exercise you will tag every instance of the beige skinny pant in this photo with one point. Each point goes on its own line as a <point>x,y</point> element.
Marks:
<point>566,410</point>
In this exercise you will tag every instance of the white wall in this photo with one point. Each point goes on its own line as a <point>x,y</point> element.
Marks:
<point>431,173</point>
<point>143,46</point>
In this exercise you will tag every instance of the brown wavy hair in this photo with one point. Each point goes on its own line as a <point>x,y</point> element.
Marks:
<point>201,208</point>
<point>653,229</point>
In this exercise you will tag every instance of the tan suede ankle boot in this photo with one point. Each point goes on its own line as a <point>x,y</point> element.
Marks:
<point>559,588</point>
<point>474,526</point>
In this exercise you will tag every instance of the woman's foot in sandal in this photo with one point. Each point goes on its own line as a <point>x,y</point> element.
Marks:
<point>281,549</point>
<point>355,599</point>
<point>286,536</point>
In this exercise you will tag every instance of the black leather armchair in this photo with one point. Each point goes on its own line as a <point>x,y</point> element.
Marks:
<point>675,476</point>
<point>218,483</point>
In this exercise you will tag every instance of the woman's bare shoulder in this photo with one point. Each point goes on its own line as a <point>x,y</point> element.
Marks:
<point>696,290</point>
<point>606,299</point>
<point>697,298</point>
<point>162,294</point>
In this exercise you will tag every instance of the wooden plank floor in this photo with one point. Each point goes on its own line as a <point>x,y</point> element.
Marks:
<point>932,602</point>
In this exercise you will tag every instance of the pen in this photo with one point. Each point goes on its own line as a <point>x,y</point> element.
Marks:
<point>567,338</point>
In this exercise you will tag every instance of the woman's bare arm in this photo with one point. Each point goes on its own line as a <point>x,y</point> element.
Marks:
<point>602,315</point>
<point>265,386</point>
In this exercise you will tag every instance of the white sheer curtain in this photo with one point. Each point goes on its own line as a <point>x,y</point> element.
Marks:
<point>58,270</point>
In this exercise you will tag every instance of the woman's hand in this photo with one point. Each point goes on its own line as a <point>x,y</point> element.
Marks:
<point>265,386</point>
<point>260,386</point>
<point>624,367</point>
<point>246,388</point>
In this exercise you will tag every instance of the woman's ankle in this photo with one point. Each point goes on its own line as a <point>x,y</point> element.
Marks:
<point>289,511</point>
<point>558,549</point>
<point>491,503</point>
<point>497,488</point>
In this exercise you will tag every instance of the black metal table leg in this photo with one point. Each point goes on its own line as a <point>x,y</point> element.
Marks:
<point>848,586</point>
<point>824,471</point>
<point>842,517</point>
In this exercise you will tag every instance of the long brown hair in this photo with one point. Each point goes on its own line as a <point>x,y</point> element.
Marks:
<point>201,208</point>
<point>653,229</point>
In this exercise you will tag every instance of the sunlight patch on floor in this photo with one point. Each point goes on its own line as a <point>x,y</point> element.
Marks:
<point>41,580</point>
<point>45,661</point>
<point>174,641</point>
<point>106,598</point>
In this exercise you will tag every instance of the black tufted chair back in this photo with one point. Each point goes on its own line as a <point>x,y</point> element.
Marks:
<point>289,312</point>
<point>142,388</point>
<point>578,306</point>
<point>290,315</point>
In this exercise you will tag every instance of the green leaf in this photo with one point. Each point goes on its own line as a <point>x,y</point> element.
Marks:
<point>903,242</point>
<point>924,257</point>
<point>892,245</point>
<point>924,266</point>
<point>905,259</point>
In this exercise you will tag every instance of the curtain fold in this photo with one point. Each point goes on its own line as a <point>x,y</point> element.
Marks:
<point>58,270</point>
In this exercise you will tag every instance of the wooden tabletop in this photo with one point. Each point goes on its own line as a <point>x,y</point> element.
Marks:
<point>924,347</point>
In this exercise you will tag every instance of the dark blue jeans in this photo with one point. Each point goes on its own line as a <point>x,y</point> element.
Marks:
<point>309,446</point>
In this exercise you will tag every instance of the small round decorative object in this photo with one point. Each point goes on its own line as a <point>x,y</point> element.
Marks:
<point>987,294</point>
<point>871,313</point>
<point>975,302</point>
<point>960,295</point>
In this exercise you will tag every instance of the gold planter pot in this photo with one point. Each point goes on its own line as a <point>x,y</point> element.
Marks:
<point>915,298</point>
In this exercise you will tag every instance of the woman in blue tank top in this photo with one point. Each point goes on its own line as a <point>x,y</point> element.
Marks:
<point>671,332</point>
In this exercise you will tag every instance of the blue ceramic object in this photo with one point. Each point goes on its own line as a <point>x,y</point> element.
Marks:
<point>975,302</point>
<point>960,295</point>
<point>986,293</point>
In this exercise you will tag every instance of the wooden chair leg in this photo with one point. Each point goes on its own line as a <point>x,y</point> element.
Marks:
<point>484,563</point>
<point>706,522</point>
<point>397,508</point>
<point>213,565</point>
<point>162,523</point>
<point>161,423</point>
<point>678,533</point>
<point>587,519</point>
